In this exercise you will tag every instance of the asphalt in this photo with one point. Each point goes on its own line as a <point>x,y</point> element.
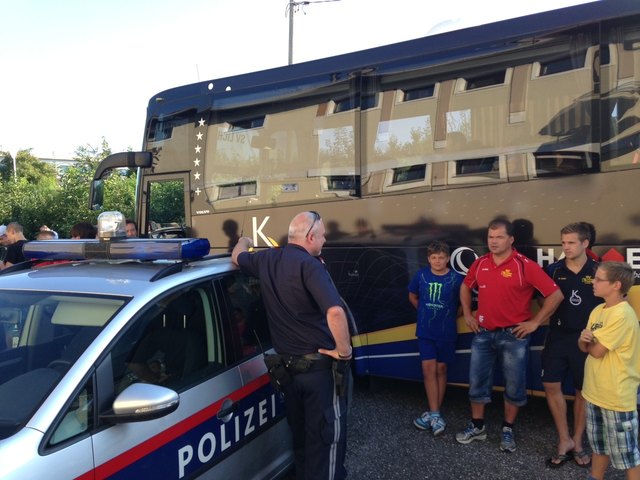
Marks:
<point>383,444</point>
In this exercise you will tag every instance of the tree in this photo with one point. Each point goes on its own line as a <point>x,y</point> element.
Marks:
<point>39,196</point>
<point>28,167</point>
<point>6,166</point>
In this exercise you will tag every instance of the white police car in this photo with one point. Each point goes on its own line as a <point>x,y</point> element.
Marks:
<point>133,367</point>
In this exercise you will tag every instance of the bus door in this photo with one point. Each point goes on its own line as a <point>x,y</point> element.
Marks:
<point>166,205</point>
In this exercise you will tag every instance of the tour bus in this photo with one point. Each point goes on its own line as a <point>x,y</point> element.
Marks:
<point>535,119</point>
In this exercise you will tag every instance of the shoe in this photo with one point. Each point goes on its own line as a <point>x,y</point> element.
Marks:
<point>508,444</point>
<point>438,425</point>
<point>470,434</point>
<point>423,422</point>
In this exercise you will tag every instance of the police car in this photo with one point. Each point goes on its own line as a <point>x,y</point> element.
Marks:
<point>135,359</point>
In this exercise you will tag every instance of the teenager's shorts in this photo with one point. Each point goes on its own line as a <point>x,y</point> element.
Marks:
<point>504,348</point>
<point>560,356</point>
<point>614,434</point>
<point>442,352</point>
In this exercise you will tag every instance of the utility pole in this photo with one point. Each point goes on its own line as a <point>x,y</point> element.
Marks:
<point>292,7</point>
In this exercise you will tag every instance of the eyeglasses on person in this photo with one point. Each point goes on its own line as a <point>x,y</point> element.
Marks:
<point>316,217</point>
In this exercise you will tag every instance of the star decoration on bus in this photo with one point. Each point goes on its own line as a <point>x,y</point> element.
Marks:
<point>197,148</point>
<point>196,175</point>
<point>201,122</point>
<point>198,191</point>
<point>199,136</point>
<point>196,162</point>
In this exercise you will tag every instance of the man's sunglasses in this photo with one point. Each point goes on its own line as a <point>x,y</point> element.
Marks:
<point>316,217</point>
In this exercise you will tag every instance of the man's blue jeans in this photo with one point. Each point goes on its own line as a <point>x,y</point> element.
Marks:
<point>486,349</point>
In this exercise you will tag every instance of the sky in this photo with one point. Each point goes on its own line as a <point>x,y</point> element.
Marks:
<point>76,71</point>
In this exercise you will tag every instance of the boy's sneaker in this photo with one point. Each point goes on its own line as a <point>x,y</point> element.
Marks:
<point>438,425</point>
<point>508,444</point>
<point>470,434</point>
<point>423,422</point>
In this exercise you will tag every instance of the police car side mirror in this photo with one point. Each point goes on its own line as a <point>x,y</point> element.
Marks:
<point>141,402</point>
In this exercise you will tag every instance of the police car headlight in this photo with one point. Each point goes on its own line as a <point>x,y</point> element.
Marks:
<point>111,225</point>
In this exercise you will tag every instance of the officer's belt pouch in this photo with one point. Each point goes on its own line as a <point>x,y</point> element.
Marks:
<point>277,370</point>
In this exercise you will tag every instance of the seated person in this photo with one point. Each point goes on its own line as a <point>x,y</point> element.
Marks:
<point>162,356</point>
<point>169,351</point>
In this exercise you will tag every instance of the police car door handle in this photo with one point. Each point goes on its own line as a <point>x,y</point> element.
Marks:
<point>227,410</point>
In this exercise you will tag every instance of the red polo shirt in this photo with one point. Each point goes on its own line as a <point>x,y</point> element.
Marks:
<point>505,291</point>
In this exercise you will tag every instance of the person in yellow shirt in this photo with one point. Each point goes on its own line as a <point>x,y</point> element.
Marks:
<point>612,373</point>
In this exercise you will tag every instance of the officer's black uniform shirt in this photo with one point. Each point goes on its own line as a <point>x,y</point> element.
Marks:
<point>579,301</point>
<point>297,292</point>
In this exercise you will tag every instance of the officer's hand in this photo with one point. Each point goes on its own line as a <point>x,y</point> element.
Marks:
<point>336,354</point>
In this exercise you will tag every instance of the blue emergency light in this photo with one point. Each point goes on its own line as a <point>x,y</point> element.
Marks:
<point>114,245</point>
<point>129,249</point>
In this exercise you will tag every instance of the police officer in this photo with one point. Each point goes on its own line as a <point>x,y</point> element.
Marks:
<point>310,333</point>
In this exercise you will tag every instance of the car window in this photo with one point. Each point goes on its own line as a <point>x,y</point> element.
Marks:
<point>78,418</point>
<point>250,330</point>
<point>175,343</point>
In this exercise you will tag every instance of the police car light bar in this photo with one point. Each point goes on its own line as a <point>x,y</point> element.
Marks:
<point>130,249</point>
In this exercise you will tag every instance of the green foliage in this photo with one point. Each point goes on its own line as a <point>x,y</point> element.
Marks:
<point>168,203</point>
<point>38,197</point>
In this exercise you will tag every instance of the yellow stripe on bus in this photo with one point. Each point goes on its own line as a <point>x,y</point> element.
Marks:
<point>408,332</point>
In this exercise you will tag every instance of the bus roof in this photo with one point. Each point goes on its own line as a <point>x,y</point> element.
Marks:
<point>475,41</point>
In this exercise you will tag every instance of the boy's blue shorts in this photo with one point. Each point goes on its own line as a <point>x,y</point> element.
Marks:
<point>441,351</point>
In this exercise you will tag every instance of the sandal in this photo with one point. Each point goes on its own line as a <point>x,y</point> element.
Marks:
<point>582,455</point>
<point>558,460</point>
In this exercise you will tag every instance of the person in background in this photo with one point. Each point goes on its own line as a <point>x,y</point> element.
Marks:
<point>53,235</point>
<point>3,243</point>
<point>83,230</point>
<point>561,356</point>
<point>132,228</point>
<point>15,241</point>
<point>46,235</point>
<point>310,332</point>
<point>506,281</point>
<point>612,373</point>
<point>435,292</point>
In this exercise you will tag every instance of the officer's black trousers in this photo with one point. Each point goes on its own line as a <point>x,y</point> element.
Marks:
<point>318,418</point>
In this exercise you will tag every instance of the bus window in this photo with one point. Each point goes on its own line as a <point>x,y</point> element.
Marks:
<point>564,163</point>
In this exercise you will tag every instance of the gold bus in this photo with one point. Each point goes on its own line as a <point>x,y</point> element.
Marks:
<point>536,119</point>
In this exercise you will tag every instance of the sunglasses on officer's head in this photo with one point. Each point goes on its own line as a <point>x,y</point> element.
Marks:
<point>316,217</point>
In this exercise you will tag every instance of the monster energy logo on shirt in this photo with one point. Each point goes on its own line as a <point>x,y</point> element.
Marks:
<point>435,290</point>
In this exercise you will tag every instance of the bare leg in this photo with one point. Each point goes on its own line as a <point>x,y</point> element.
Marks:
<point>510,412</point>
<point>579,425</point>
<point>431,384</point>
<point>477,410</point>
<point>599,464</point>
<point>441,370</point>
<point>633,473</point>
<point>558,407</point>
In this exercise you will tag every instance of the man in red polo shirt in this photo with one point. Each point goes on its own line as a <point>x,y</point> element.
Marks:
<point>506,281</point>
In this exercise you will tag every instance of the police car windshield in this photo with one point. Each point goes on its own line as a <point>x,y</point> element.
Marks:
<point>42,334</point>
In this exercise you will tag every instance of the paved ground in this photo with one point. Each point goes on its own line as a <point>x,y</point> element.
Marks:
<point>383,444</point>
